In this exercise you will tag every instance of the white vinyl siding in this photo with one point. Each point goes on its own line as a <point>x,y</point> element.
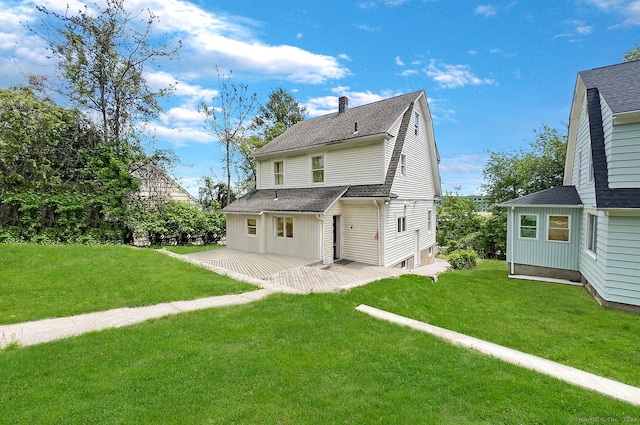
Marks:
<point>355,165</point>
<point>360,227</point>
<point>418,180</point>
<point>622,265</point>
<point>237,237</point>
<point>401,246</point>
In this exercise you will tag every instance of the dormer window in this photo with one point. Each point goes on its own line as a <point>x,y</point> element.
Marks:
<point>403,165</point>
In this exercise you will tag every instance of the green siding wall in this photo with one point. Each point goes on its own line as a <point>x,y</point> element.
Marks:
<point>540,252</point>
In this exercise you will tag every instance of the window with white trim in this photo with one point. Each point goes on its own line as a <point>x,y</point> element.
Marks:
<point>252,227</point>
<point>429,217</point>
<point>403,165</point>
<point>590,168</point>
<point>284,227</point>
<point>579,169</point>
<point>416,122</point>
<point>317,169</point>
<point>592,233</point>
<point>558,228</point>
<point>401,220</point>
<point>529,226</point>
<point>278,173</point>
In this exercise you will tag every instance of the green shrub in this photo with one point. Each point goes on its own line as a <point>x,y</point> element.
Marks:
<point>463,259</point>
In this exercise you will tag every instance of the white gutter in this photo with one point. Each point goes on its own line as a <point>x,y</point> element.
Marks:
<point>511,241</point>
<point>378,234</point>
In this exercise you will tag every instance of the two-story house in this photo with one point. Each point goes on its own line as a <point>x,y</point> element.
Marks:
<point>588,230</point>
<point>360,184</point>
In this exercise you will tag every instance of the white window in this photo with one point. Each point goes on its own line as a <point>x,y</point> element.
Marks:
<point>590,168</point>
<point>401,220</point>
<point>416,122</point>
<point>529,226</point>
<point>252,227</point>
<point>278,173</point>
<point>431,251</point>
<point>403,165</point>
<point>558,228</point>
<point>429,220</point>
<point>284,227</point>
<point>592,233</point>
<point>317,168</point>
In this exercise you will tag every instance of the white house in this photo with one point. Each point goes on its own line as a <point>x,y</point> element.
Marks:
<point>588,230</point>
<point>360,184</point>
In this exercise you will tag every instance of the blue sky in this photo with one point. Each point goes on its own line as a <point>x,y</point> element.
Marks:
<point>493,71</point>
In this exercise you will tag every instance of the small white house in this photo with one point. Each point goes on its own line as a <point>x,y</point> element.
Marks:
<point>360,184</point>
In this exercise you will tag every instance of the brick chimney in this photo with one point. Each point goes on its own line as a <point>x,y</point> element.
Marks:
<point>343,104</point>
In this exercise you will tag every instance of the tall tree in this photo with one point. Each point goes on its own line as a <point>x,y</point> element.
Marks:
<point>281,107</point>
<point>509,175</point>
<point>632,55</point>
<point>101,57</point>
<point>227,117</point>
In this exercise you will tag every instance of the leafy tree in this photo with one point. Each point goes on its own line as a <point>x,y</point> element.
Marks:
<point>213,194</point>
<point>632,55</point>
<point>281,107</point>
<point>509,175</point>
<point>58,181</point>
<point>280,112</point>
<point>458,223</point>
<point>101,59</point>
<point>227,116</point>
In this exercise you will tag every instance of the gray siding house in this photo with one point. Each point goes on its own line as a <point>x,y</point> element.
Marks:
<point>589,229</point>
<point>360,184</point>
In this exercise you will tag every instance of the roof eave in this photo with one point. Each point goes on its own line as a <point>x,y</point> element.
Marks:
<point>629,117</point>
<point>351,140</point>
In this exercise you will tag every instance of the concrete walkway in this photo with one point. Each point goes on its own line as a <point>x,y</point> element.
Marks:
<point>568,374</point>
<point>30,333</point>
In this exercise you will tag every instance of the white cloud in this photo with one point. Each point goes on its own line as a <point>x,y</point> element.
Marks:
<point>452,76</point>
<point>486,10</point>
<point>576,29</point>
<point>327,104</point>
<point>409,72</point>
<point>368,28</point>
<point>399,61</point>
<point>628,9</point>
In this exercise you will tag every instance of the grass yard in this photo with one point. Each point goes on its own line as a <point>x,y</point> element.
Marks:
<point>38,282</point>
<point>287,359</point>
<point>558,322</point>
<point>314,359</point>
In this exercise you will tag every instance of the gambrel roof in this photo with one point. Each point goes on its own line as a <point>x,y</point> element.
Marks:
<point>372,119</point>
<point>618,84</point>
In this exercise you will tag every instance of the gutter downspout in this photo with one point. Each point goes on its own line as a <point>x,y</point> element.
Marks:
<point>512,241</point>
<point>378,233</point>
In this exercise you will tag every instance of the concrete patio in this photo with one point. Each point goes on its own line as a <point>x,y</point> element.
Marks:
<point>294,274</point>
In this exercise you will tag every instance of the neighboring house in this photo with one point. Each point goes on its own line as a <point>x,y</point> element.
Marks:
<point>156,185</point>
<point>589,229</point>
<point>360,184</point>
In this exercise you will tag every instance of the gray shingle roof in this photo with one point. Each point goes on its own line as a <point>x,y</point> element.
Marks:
<point>287,200</point>
<point>619,85</point>
<point>565,196</point>
<point>373,118</point>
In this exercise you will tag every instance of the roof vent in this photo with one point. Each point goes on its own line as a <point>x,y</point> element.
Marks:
<point>343,105</point>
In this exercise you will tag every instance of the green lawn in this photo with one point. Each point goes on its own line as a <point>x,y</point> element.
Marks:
<point>287,359</point>
<point>314,359</point>
<point>558,322</point>
<point>38,282</point>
